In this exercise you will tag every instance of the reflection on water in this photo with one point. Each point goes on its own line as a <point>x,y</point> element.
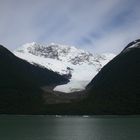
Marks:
<point>69,128</point>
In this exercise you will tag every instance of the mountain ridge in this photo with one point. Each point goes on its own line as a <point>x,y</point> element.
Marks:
<point>21,82</point>
<point>115,89</point>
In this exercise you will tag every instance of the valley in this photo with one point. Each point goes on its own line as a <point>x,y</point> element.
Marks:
<point>94,86</point>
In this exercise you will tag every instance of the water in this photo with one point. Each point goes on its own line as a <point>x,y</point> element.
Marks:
<point>69,128</point>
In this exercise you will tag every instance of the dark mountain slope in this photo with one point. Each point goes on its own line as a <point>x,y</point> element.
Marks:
<point>20,84</point>
<point>116,88</point>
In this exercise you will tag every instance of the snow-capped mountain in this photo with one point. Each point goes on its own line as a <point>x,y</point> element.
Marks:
<point>80,65</point>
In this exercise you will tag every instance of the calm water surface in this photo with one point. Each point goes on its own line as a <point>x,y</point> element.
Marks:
<point>69,128</point>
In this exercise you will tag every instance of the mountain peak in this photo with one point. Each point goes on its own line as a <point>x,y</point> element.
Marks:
<point>57,51</point>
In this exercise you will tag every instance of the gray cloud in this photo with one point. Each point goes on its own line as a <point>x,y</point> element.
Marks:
<point>95,25</point>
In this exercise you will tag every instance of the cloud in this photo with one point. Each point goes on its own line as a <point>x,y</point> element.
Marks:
<point>95,25</point>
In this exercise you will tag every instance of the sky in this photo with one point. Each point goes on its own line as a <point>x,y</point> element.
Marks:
<point>98,26</point>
